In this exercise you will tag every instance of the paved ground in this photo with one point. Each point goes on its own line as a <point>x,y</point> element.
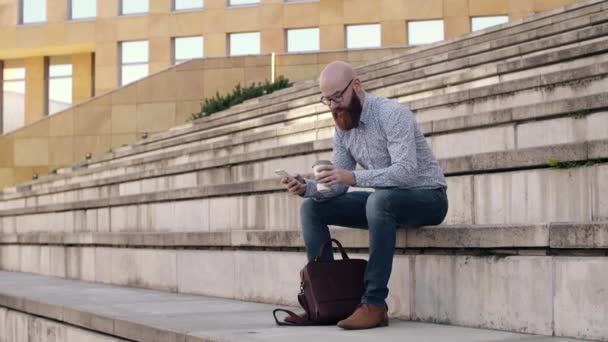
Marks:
<point>213,318</point>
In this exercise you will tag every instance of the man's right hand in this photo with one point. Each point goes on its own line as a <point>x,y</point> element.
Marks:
<point>295,184</point>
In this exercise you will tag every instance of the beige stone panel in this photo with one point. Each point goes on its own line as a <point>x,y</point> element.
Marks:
<point>272,16</point>
<point>56,11</point>
<point>125,95</point>
<point>297,59</point>
<point>92,119</point>
<point>222,80</point>
<point>80,32</point>
<point>155,117</point>
<point>159,25</point>
<point>106,54</point>
<point>327,57</point>
<point>185,109</point>
<point>105,30</point>
<point>362,11</point>
<point>107,9</point>
<point>258,74</point>
<point>6,151</point>
<point>54,34</point>
<point>215,4</point>
<point>411,10</point>
<point>7,177</point>
<point>40,129</point>
<point>331,12</point>
<point>8,37</point>
<point>273,41</point>
<point>8,13</point>
<point>35,99</point>
<point>62,124</point>
<point>119,140</point>
<point>189,84</point>
<point>456,26</point>
<point>213,21</point>
<point>455,8</point>
<point>393,33</point>
<point>24,174</point>
<point>61,151</point>
<point>332,37</point>
<point>545,5</point>
<point>82,79</point>
<point>186,24</point>
<point>519,15</point>
<point>160,50</point>
<point>160,6</point>
<point>215,45</point>
<point>30,36</point>
<point>224,62</point>
<point>124,119</point>
<point>484,7</point>
<point>157,88</point>
<point>299,72</point>
<point>96,145</point>
<point>302,14</point>
<point>31,152</point>
<point>242,19</point>
<point>156,67</point>
<point>106,78</point>
<point>131,28</point>
<point>515,6</point>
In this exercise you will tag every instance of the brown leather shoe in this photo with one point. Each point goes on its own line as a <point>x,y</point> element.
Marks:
<point>366,316</point>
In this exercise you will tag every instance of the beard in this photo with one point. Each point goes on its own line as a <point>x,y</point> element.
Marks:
<point>347,118</point>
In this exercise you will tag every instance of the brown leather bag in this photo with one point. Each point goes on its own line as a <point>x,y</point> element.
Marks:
<point>329,290</point>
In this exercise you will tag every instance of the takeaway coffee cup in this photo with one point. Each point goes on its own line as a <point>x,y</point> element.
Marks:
<point>316,167</point>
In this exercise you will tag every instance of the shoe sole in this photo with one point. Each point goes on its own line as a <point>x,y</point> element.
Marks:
<point>379,325</point>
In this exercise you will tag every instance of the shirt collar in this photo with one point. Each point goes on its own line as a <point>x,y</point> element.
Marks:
<point>366,109</point>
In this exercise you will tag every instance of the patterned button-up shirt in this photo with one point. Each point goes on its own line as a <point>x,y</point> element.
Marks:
<point>390,148</point>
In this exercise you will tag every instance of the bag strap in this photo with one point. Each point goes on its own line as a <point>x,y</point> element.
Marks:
<point>340,248</point>
<point>297,320</point>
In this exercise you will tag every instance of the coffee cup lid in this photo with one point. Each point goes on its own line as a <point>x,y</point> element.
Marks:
<point>322,162</point>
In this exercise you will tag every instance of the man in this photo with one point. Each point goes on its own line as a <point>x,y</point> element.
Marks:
<point>382,137</point>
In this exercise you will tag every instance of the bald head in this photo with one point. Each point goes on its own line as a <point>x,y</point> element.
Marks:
<point>335,77</point>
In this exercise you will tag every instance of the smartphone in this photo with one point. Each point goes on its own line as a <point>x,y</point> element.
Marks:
<point>282,173</point>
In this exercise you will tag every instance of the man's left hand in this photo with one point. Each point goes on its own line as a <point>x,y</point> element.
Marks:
<point>331,175</point>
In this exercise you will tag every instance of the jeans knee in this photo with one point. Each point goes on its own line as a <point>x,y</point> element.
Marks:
<point>377,203</point>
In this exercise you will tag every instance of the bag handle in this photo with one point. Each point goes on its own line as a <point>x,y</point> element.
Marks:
<point>340,248</point>
<point>297,320</point>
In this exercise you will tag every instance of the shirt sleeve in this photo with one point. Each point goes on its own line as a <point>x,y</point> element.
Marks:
<point>400,129</point>
<point>341,158</point>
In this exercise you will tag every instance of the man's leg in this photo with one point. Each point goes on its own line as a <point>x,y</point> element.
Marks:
<point>347,210</point>
<point>385,211</point>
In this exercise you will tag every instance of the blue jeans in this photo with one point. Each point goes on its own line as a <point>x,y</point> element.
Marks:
<point>381,212</point>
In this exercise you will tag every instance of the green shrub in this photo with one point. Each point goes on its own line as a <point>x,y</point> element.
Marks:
<point>238,95</point>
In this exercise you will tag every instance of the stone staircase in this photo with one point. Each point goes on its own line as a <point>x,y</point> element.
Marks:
<point>516,115</point>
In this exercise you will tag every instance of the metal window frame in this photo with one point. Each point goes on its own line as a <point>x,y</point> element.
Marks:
<point>229,40</point>
<point>121,14</point>
<point>301,28</point>
<point>2,81</point>
<point>21,9</point>
<point>48,84</point>
<point>174,7</point>
<point>361,24</point>
<point>70,13</point>
<point>407,30</point>
<point>121,64</point>
<point>176,61</point>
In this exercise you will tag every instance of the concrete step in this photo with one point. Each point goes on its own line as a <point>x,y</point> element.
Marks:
<point>529,96</point>
<point>525,196</point>
<point>97,312</point>
<point>512,278</point>
<point>535,27</point>
<point>422,87</point>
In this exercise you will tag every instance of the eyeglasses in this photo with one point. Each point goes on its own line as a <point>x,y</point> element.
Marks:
<point>326,100</point>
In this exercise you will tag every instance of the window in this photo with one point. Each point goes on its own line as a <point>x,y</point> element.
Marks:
<point>242,2</point>
<point>133,61</point>
<point>185,48</point>
<point>363,36</point>
<point>424,32</point>
<point>32,11</point>
<point>82,9</point>
<point>13,99</point>
<point>301,40</point>
<point>184,5</point>
<point>128,7</point>
<point>244,43</point>
<point>480,23</point>
<point>60,85</point>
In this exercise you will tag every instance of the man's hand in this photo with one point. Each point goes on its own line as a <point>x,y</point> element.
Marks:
<point>295,184</point>
<point>330,175</point>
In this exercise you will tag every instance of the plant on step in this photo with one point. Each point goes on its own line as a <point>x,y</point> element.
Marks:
<point>239,94</point>
<point>554,163</point>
